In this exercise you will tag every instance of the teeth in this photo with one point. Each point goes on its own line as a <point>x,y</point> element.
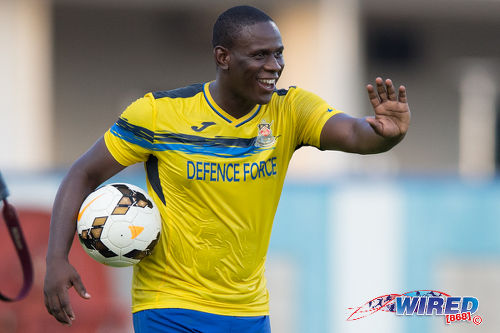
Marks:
<point>268,81</point>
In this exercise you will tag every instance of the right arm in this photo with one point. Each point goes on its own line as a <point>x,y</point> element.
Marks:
<point>89,171</point>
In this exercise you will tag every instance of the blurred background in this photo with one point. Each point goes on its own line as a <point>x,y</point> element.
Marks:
<point>349,228</point>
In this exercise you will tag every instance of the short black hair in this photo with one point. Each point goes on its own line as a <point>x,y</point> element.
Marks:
<point>230,22</point>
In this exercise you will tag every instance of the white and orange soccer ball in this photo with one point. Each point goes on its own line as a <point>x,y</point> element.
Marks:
<point>118,224</point>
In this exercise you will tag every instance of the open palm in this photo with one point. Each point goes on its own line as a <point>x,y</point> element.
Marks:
<point>392,113</point>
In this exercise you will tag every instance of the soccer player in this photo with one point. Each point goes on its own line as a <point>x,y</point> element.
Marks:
<point>215,155</point>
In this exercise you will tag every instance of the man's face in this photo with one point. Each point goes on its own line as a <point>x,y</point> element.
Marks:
<point>256,62</point>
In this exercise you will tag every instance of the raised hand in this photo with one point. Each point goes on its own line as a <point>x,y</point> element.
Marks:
<point>392,113</point>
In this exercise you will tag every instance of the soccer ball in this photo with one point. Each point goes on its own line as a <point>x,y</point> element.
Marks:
<point>118,225</point>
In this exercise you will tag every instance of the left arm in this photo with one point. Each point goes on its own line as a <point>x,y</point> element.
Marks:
<point>370,135</point>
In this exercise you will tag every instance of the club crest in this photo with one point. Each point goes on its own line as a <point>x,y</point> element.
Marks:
<point>265,136</point>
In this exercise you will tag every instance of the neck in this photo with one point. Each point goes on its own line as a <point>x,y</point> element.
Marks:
<point>233,104</point>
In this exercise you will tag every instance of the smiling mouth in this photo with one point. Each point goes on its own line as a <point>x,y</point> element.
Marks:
<point>267,84</point>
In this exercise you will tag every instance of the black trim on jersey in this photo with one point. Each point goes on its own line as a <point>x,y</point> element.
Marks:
<point>183,92</point>
<point>154,177</point>
<point>283,92</point>
<point>218,141</point>
<point>148,139</point>
<point>140,132</point>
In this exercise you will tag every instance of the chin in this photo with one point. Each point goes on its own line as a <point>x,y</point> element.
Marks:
<point>264,99</point>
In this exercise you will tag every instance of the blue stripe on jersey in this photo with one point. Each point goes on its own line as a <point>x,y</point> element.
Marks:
<point>213,108</point>
<point>226,147</point>
<point>227,152</point>
<point>253,116</point>
<point>218,141</point>
<point>141,133</point>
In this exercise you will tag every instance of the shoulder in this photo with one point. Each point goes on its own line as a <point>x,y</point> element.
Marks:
<point>282,93</point>
<point>296,97</point>
<point>294,92</point>
<point>140,106</point>
<point>139,113</point>
<point>282,98</point>
<point>184,92</point>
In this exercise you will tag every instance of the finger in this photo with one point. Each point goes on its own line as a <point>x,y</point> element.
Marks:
<point>55,310</point>
<point>50,304</point>
<point>80,288</point>
<point>46,301</point>
<point>372,95</point>
<point>66,307</point>
<point>402,94</point>
<point>381,89</point>
<point>390,90</point>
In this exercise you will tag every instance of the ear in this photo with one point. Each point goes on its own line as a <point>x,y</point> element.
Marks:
<point>222,57</point>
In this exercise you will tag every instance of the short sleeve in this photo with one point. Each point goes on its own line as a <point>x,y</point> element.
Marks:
<point>311,113</point>
<point>130,139</point>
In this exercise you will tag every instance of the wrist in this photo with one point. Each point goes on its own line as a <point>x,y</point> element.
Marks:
<point>54,259</point>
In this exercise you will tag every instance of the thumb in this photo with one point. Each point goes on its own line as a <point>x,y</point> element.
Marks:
<point>80,288</point>
<point>375,124</point>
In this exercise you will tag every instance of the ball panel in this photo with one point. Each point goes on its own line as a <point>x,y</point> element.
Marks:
<point>102,200</point>
<point>120,235</point>
<point>120,210</point>
<point>104,250</point>
<point>99,221</point>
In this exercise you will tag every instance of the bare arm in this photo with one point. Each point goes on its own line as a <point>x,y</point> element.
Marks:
<point>88,172</point>
<point>375,134</point>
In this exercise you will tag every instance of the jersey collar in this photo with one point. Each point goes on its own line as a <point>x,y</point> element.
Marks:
<point>237,122</point>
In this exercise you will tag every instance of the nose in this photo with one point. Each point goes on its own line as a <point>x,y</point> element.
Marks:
<point>274,64</point>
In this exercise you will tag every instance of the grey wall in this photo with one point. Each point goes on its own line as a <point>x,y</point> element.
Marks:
<point>429,58</point>
<point>106,57</point>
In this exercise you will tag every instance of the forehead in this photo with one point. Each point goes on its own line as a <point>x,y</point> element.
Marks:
<point>264,35</point>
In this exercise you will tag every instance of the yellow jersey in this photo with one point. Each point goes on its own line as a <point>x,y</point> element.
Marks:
<point>217,181</point>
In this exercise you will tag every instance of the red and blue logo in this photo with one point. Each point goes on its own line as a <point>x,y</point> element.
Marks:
<point>422,303</point>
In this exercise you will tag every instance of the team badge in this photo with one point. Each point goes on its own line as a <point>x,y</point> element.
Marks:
<point>265,136</point>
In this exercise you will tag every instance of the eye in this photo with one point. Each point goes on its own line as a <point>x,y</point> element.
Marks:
<point>259,55</point>
<point>278,54</point>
